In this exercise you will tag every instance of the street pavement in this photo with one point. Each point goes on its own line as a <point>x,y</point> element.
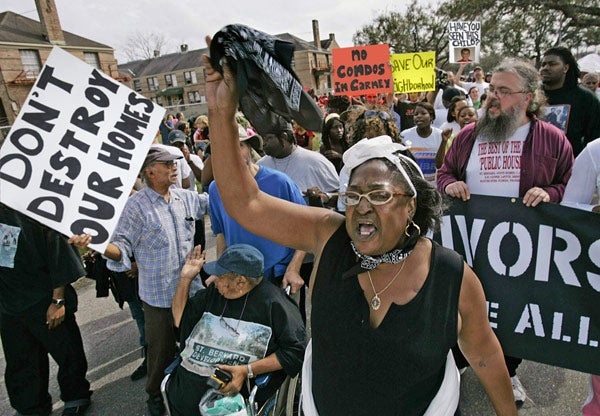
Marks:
<point>111,343</point>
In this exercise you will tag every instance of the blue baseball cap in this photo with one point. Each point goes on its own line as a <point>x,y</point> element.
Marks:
<point>242,259</point>
<point>176,136</point>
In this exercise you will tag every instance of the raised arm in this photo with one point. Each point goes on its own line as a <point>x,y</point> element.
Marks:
<point>193,263</point>
<point>459,73</point>
<point>283,222</point>
<point>441,152</point>
<point>480,346</point>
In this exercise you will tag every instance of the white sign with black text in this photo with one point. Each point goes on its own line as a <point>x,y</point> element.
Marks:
<point>74,152</point>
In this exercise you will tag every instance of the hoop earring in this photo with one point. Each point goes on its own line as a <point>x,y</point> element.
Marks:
<point>411,223</point>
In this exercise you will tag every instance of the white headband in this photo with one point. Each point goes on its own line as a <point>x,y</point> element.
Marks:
<point>380,147</point>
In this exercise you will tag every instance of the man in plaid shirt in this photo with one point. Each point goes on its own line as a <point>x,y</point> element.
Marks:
<point>156,227</point>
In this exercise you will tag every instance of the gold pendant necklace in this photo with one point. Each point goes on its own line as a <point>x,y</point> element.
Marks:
<point>376,301</point>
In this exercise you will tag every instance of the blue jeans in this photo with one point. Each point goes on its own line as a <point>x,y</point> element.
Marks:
<point>137,313</point>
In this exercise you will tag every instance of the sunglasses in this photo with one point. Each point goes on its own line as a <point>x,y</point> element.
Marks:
<point>374,113</point>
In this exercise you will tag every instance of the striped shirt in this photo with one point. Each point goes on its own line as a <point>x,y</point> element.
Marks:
<point>159,234</point>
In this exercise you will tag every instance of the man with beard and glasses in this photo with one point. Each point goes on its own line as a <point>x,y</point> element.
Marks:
<point>509,152</point>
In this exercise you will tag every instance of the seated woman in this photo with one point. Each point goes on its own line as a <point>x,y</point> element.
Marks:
<point>387,303</point>
<point>240,323</point>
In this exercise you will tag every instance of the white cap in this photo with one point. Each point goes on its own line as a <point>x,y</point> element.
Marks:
<point>380,147</point>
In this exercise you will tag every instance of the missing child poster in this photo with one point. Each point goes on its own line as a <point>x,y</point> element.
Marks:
<point>74,152</point>
<point>362,70</point>
<point>465,39</point>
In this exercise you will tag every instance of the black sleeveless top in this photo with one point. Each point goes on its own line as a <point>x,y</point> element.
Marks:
<point>395,369</point>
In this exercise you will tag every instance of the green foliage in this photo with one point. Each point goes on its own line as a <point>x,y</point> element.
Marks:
<point>419,29</point>
<point>526,28</point>
<point>516,28</point>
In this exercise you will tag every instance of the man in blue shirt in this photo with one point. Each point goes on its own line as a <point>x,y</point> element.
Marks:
<point>281,264</point>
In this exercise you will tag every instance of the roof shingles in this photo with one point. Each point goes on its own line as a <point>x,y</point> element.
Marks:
<point>15,28</point>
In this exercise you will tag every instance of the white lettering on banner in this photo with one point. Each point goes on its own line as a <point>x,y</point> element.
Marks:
<point>531,319</point>
<point>594,255</point>
<point>547,251</point>
<point>492,311</point>
<point>562,259</point>
<point>469,244</point>
<point>525,249</point>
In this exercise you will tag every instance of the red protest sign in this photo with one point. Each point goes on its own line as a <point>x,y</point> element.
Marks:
<point>362,70</point>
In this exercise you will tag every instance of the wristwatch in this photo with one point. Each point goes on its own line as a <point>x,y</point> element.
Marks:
<point>250,372</point>
<point>58,302</point>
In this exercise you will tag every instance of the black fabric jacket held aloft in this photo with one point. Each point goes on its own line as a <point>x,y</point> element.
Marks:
<point>267,84</point>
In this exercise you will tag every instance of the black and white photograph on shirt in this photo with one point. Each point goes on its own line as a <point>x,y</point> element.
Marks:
<point>220,340</point>
<point>558,115</point>
<point>8,249</point>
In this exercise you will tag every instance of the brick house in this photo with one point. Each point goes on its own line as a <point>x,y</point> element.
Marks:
<point>24,47</point>
<point>176,80</point>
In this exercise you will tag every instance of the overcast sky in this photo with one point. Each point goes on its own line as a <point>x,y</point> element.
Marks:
<point>188,21</point>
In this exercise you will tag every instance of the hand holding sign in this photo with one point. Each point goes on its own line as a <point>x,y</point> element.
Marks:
<point>75,149</point>
<point>81,241</point>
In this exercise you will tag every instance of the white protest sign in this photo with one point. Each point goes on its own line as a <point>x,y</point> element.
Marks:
<point>74,152</point>
<point>465,41</point>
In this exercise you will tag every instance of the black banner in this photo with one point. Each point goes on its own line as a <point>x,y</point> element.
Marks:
<point>540,269</point>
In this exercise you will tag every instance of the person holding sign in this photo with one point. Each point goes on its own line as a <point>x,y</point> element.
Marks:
<point>157,227</point>
<point>383,318</point>
<point>533,158</point>
<point>478,75</point>
<point>37,316</point>
<point>580,192</point>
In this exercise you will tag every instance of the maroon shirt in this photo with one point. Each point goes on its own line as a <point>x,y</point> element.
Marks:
<point>546,161</point>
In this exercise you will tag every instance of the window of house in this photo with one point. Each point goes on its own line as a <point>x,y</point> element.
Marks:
<point>190,77</point>
<point>91,58</point>
<point>171,80</point>
<point>152,83</point>
<point>137,85</point>
<point>194,97</point>
<point>31,62</point>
